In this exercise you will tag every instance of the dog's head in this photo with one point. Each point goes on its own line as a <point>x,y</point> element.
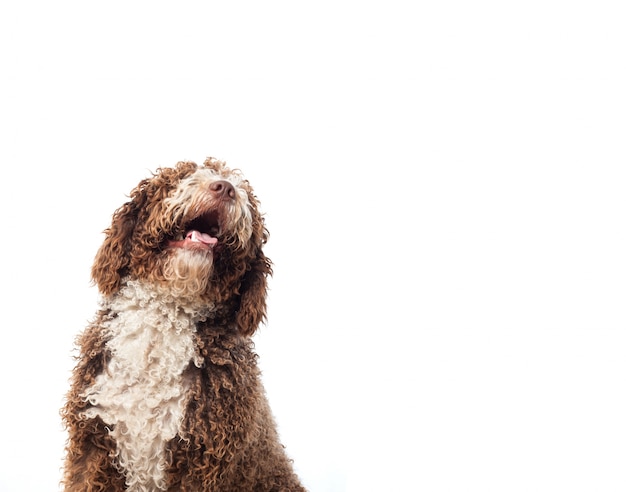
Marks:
<point>195,231</point>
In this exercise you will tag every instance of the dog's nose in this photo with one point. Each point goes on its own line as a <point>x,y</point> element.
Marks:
<point>222,189</point>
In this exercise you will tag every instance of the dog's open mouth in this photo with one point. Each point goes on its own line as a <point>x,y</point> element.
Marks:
<point>201,233</point>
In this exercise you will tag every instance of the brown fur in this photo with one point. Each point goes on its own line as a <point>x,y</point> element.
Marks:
<point>228,439</point>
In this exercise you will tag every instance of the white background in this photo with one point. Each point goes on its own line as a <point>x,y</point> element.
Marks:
<point>444,187</point>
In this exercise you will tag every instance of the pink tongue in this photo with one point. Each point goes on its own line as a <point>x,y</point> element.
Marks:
<point>200,237</point>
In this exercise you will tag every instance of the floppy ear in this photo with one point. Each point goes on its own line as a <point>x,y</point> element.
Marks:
<point>113,258</point>
<point>252,307</point>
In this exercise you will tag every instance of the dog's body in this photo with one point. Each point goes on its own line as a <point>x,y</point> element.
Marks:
<point>166,394</point>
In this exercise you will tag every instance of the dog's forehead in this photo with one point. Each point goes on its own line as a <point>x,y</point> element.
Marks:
<point>194,186</point>
<point>209,175</point>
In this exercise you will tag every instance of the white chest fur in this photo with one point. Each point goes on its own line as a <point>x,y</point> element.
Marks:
<point>142,393</point>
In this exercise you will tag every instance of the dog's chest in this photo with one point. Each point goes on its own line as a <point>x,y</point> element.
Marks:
<point>141,394</point>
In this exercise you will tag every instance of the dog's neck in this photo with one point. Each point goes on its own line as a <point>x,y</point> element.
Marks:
<point>143,295</point>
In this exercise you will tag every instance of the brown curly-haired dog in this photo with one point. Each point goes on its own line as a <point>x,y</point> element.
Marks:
<point>166,394</point>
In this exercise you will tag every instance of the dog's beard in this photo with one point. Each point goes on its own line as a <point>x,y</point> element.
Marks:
<point>187,272</point>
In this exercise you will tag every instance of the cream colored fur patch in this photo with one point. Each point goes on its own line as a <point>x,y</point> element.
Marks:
<point>142,393</point>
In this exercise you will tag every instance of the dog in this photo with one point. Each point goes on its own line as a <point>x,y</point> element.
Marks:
<point>166,393</point>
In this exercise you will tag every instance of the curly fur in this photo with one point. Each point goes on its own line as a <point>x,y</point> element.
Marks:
<point>166,393</point>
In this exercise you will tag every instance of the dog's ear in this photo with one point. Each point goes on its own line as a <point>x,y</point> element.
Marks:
<point>253,291</point>
<point>113,258</point>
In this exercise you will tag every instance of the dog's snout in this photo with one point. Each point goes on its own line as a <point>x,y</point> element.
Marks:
<point>222,189</point>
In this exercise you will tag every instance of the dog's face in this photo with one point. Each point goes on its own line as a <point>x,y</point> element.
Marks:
<point>195,231</point>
